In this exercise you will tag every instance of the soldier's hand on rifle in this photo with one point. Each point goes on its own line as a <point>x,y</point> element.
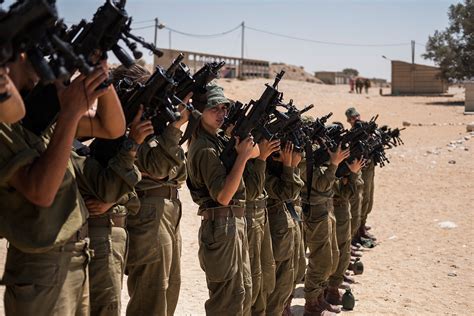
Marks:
<point>286,154</point>
<point>97,207</point>
<point>139,130</point>
<point>267,148</point>
<point>246,147</point>
<point>338,156</point>
<point>356,165</point>
<point>183,111</point>
<point>296,158</point>
<point>78,97</point>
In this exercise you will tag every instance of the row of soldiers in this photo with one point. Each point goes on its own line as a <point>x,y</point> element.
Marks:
<point>76,225</point>
<point>77,221</point>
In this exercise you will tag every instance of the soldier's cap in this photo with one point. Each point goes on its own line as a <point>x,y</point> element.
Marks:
<point>213,97</point>
<point>351,112</point>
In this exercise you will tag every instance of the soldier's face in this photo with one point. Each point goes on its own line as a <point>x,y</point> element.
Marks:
<point>353,119</point>
<point>213,118</point>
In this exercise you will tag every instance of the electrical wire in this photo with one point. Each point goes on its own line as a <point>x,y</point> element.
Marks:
<point>322,42</point>
<point>203,35</point>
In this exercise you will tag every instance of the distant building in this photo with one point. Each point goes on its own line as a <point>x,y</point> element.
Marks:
<point>251,68</point>
<point>469,98</point>
<point>410,78</point>
<point>332,77</point>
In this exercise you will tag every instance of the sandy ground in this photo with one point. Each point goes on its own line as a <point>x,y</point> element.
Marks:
<point>418,268</point>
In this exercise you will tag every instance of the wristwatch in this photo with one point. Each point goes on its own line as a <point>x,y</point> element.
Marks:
<point>130,145</point>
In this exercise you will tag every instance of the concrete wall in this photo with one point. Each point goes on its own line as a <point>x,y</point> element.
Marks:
<point>410,78</point>
<point>332,77</point>
<point>469,98</point>
<point>251,68</point>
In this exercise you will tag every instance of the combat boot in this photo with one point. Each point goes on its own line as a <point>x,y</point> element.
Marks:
<point>355,253</point>
<point>333,296</point>
<point>349,279</point>
<point>313,308</point>
<point>363,233</point>
<point>324,304</point>
<point>287,310</point>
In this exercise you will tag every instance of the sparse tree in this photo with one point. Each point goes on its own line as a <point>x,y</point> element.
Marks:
<point>453,49</point>
<point>350,72</point>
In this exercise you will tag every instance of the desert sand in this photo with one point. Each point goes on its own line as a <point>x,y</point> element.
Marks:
<point>418,268</point>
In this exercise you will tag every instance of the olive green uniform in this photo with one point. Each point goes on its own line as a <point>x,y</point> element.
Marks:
<point>355,207</point>
<point>342,194</point>
<point>223,246</point>
<point>46,264</point>
<point>154,259</point>
<point>283,185</point>
<point>319,229</point>
<point>299,258</point>
<point>108,237</point>
<point>262,263</point>
<point>368,174</point>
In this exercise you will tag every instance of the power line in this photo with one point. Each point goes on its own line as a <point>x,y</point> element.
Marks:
<point>323,42</point>
<point>203,35</point>
<point>143,27</point>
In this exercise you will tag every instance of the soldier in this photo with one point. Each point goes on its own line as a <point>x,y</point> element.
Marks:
<point>12,109</point>
<point>359,85</point>
<point>220,194</point>
<point>262,263</point>
<point>283,184</point>
<point>320,232</point>
<point>368,174</point>
<point>153,263</point>
<point>344,189</point>
<point>44,215</point>
<point>366,85</point>
<point>109,195</point>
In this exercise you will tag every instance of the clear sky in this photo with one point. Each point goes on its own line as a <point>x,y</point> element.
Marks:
<point>350,22</point>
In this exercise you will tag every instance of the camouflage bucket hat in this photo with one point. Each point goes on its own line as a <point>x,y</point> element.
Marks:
<point>214,96</point>
<point>351,112</point>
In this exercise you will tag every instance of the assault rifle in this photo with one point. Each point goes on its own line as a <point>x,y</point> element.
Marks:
<point>28,27</point>
<point>187,83</point>
<point>254,118</point>
<point>157,97</point>
<point>109,25</point>
<point>290,127</point>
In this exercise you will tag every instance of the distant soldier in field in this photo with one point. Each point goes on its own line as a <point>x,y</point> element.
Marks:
<point>366,85</point>
<point>359,85</point>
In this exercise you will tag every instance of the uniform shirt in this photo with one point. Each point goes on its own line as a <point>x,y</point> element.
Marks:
<point>282,183</point>
<point>321,186</point>
<point>348,190</point>
<point>206,172</point>
<point>163,165</point>
<point>107,184</point>
<point>29,227</point>
<point>254,178</point>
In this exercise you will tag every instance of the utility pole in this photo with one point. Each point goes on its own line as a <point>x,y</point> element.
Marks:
<point>169,38</point>
<point>156,30</point>
<point>242,46</point>
<point>413,52</point>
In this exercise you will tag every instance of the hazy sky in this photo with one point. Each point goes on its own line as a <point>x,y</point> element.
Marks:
<point>351,22</point>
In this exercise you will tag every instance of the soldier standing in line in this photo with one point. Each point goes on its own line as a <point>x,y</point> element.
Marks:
<point>320,233</point>
<point>283,184</point>
<point>262,263</point>
<point>154,259</point>
<point>220,194</point>
<point>109,194</point>
<point>44,215</point>
<point>368,174</point>
<point>344,189</point>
